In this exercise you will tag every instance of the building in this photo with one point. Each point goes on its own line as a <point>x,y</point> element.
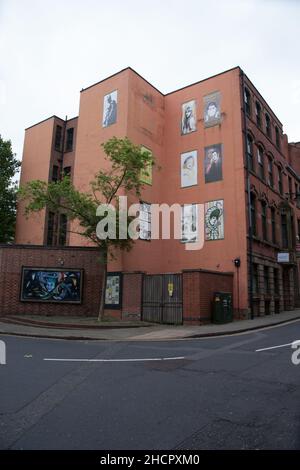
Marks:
<point>217,142</point>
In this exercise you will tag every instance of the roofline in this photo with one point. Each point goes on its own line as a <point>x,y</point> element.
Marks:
<point>50,117</point>
<point>267,105</point>
<point>204,80</point>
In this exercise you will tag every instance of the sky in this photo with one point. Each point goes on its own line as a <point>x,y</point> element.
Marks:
<point>50,50</point>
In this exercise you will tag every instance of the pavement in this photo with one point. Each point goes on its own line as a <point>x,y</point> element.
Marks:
<point>75,328</point>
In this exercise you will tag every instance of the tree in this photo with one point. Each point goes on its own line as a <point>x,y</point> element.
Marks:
<point>9,166</point>
<point>127,162</point>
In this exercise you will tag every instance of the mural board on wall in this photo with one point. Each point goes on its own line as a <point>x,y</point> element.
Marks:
<point>146,174</point>
<point>51,285</point>
<point>113,298</point>
<point>214,220</point>
<point>188,169</point>
<point>212,109</point>
<point>189,223</point>
<point>213,162</point>
<point>110,104</point>
<point>188,117</point>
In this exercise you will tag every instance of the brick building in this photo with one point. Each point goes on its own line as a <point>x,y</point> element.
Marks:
<point>218,143</point>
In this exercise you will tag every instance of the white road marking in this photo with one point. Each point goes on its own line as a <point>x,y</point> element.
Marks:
<point>116,360</point>
<point>275,347</point>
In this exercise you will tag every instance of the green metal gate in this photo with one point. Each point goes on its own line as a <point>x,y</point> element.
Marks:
<point>162,298</point>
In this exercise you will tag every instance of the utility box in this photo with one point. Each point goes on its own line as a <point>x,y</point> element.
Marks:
<point>222,307</point>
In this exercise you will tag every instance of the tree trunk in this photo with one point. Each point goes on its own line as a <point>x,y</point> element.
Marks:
<point>101,308</point>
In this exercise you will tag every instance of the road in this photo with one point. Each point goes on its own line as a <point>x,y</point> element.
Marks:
<point>213,393</point>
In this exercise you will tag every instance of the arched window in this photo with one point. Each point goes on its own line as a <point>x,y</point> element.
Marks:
<point>277,136</point>
<point>247,98</point>
<point>268,126</point>
<point>270,171</point>
<point>258,113</point>
<point>253,213</point>
<point>260,160</point>
<point>250,152</point>
<point>280,181</point>
<point>264,220</point>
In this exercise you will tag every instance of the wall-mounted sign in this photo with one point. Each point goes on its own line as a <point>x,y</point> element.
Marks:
<point>113,297</point>
<point>283,257</point>
<point>51,285</point>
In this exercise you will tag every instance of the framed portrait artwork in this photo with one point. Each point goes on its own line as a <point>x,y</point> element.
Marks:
<point>212,109</point>
<point>188,117</point>
<point>113,290</point>
<point>213,163</point>
<point>110,105</point>
<point>188,169</point>
<point>189,223</point>
<point>146,174</point>
<point>51,285</point>
<point>214,220</point>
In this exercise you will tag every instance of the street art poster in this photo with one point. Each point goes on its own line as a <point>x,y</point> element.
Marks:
<point>110,103</point>
<point>189,169</point>
<point>212,109</point>
<point>213,161</point>
<point>51,285</point>
<point>146,173</point>
<point>113,290</point>
<point>214,220</point>
<point>145,221</point>
<point>188,117</point>
<point>189,223</point>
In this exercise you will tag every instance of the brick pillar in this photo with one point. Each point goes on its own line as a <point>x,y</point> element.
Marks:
<point>132,296</point>
<point>280,282</point>
<point>261,290</point>
<point>291,289</point>
<point>191,297</point>
<point>272,290</point>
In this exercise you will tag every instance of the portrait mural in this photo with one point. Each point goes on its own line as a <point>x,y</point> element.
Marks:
<point>188,117</point>
<point>213,161</point>
<point>145,221</point>
<point>212,109</point>
<point>51,285</point>
<point>146,173</point>
<point>110,103</point>
<point>189,169</point>
<point>214,220</point>
<point>189,223</point>
<point>113,290</point>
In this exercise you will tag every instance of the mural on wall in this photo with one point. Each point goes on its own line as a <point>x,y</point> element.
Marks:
<point>110,102</point>
<point>189,169</point>
<point>188,117</point>
<point>212,109</point>
<point>146,174</point>
<point>145,221</point>
<point>51,285</point>
<point>214,220</point>
<point>213,163</point>
<point>113,290</point>
<point>189,223</point>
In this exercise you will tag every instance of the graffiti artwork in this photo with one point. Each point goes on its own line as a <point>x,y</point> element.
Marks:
<point>51,285</point>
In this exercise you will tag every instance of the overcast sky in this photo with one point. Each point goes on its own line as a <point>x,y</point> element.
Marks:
<point>50,49</point>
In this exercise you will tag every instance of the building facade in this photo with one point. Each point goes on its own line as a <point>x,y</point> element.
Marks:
<point>216,143</point>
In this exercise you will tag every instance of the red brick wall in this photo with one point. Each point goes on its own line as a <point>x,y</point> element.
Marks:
<point>132,295</point>
<point>198,290</point>
<point>12,258</point>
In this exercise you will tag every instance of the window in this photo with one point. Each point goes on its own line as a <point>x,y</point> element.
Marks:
<point>273,224</point>
<point>277,136</point>
<point>253,213</point>
<point>298,223</point>
<point>268,126</point>
<point>270,172</point>
<point>284,231</point>
<point>266,280</point>
<point>264,220</point>
<point>62,229</point>
<point>247,99</point>
<point>67,171</point>
<point>250,152</point>
<point>55,170</point>
<point>260,159</point>
<point>50,228</point>
<point>58,136</point>
<point>70,135</point>
<point>258,113</point>
<point>255,289</point>
<point>145,221</point>
<point>290,186</point>
<point>280,185</point>
<point>276,281</point>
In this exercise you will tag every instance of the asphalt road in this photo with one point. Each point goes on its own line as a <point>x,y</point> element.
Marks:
<point>218,393</point>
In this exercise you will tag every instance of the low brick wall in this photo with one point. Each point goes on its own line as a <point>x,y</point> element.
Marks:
<point>13,257</point>
<point>198,289</point>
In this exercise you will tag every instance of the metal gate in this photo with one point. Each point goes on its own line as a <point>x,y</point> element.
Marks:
<point>162,298</point>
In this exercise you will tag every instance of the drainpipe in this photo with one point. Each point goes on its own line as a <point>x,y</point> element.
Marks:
<point>250,226</point>
<point>61,167</point>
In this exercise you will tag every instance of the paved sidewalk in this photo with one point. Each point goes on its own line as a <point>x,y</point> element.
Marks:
<point>57,328</point>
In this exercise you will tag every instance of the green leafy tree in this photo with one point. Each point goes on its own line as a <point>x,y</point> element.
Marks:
<point>9,166</point>
<point>127,161</point>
